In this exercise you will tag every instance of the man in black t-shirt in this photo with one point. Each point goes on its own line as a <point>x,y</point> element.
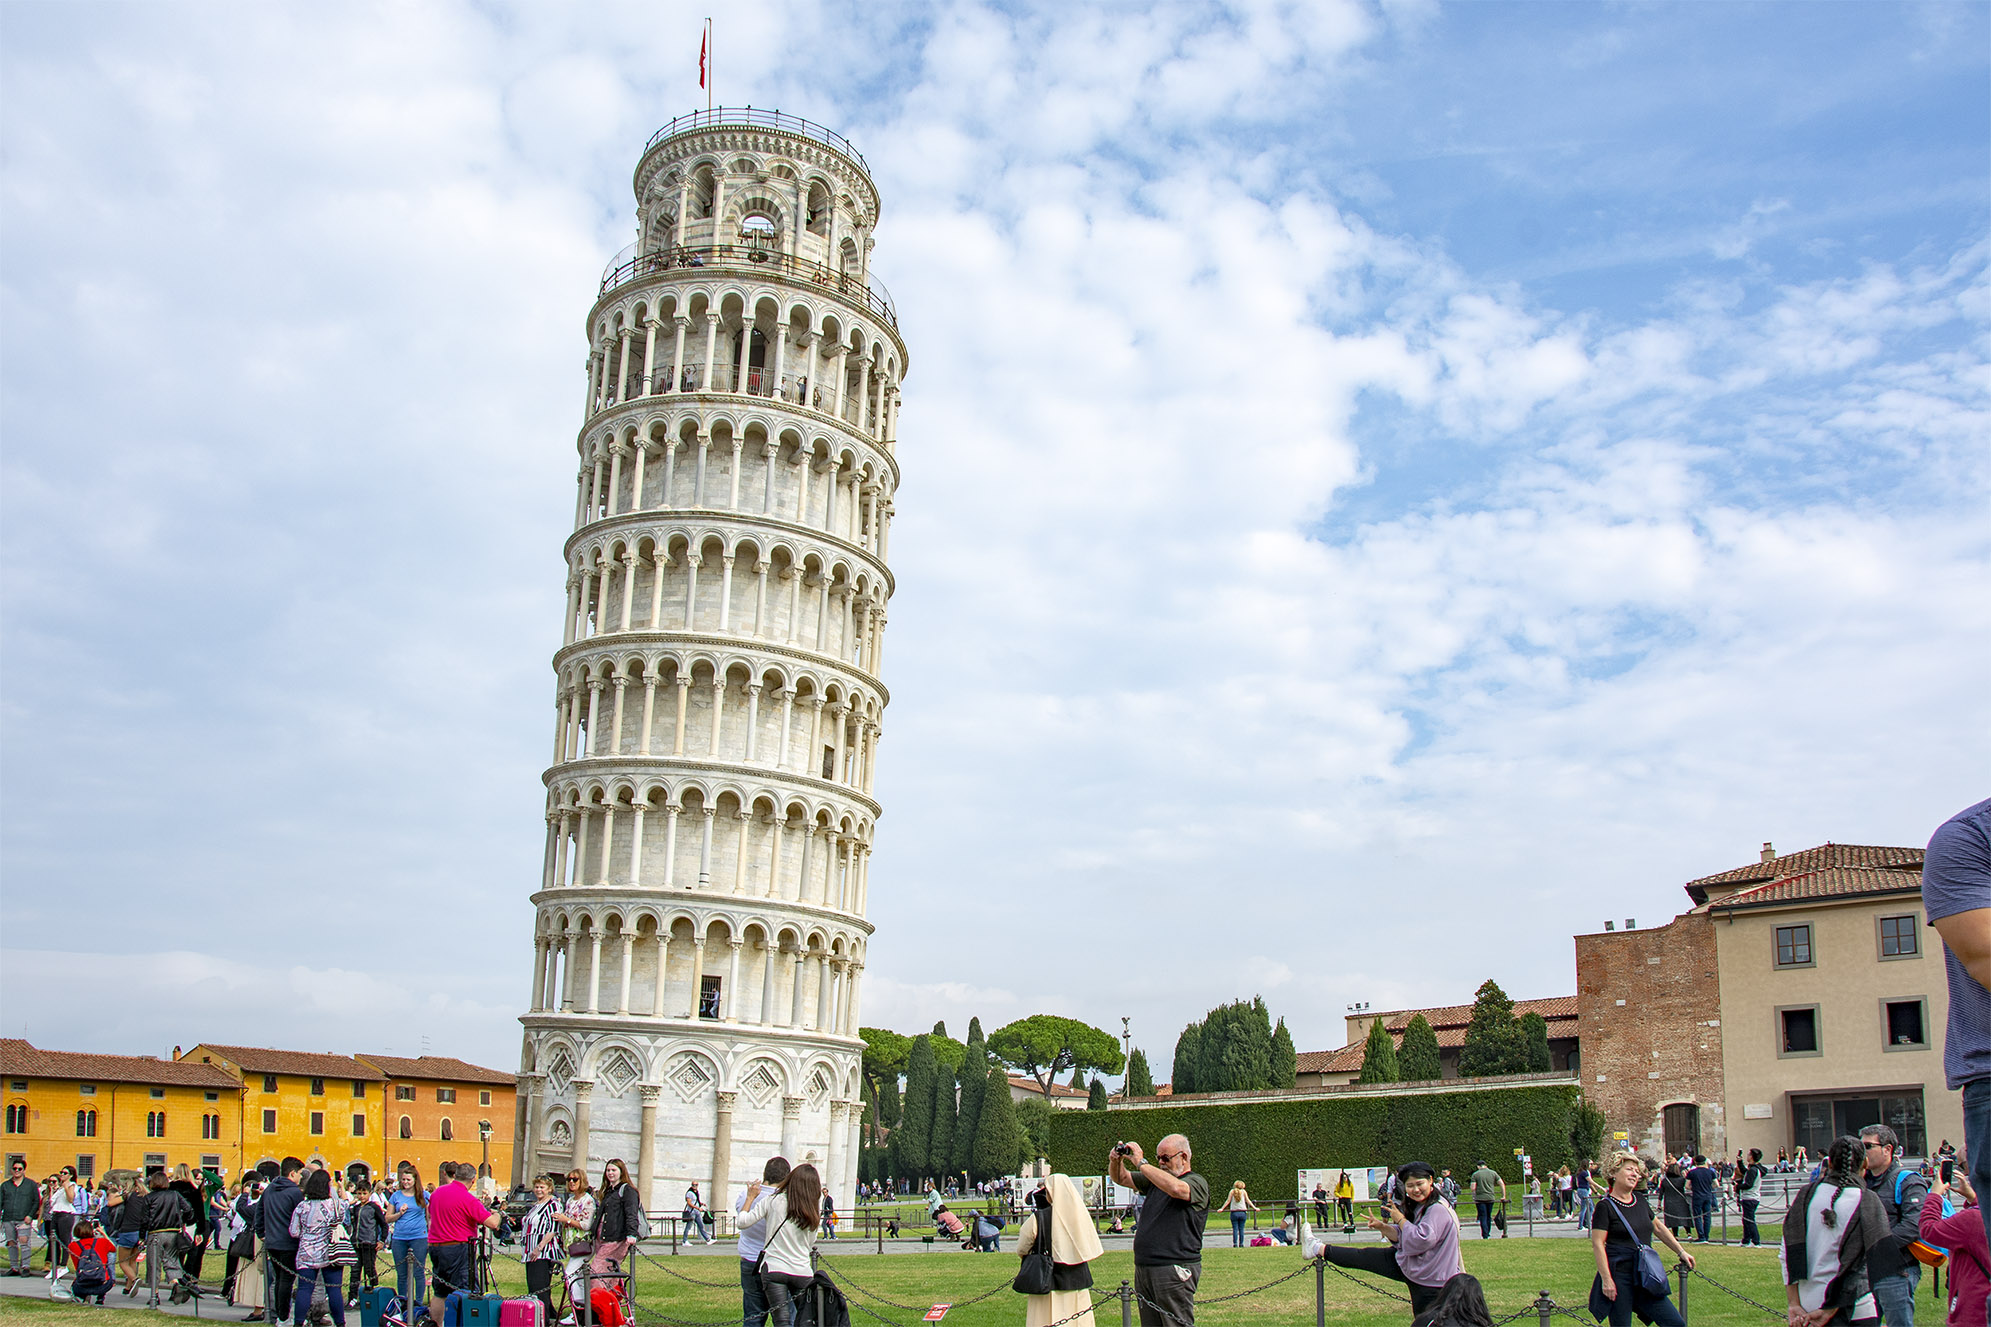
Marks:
<point>1168,1243</point>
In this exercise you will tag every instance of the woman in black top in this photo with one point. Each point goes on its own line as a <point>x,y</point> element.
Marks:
<point>1673,1201</point>
<point>1748,1177</point>
<point>1621,1223</point>
<point>618,1214</point>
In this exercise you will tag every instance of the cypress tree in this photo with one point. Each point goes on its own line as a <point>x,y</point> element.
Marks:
<point>974,1086</point>
<point>1095,1096</point>
<point>1535,1057</point>
<point>1285,1060</point>
<point>912,1140</point>
<point>1378,1056</point>
<point>1140,1079</point>
<point>945,1109</point>
<point>888,1102</point>
<point>1188,1050</point>
<point>1493,1038</point>
<point>1417,1059</point>
<point>998,1139</point>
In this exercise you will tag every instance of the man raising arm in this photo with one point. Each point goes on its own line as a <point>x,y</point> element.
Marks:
<point>1168,1242</point>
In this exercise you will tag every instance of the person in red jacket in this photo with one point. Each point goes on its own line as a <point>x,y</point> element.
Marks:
<point>1963,1235</point>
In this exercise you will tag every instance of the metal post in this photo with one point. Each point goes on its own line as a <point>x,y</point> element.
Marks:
<point>1682,1269</point>
<point>879,1218</point>
<point>1544,1306</point>
<point>673,1221</point>
<point>1724,1216</point>
<point>1504,1223</point>
<point>1126,1304</point>
<point>1320,1292</point>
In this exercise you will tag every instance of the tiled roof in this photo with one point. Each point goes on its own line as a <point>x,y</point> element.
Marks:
<point>1029,1084</point>
<point>303,1064</point>
<point>23,1060</point>
<point>1825,855</point>
<point>438,1068</point>
<point>1448,1022</point>
<point>1832,882</point>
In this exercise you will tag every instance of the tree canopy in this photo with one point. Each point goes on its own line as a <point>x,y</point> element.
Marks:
<point>912,1140</point>
<point>1229,1050</point>
<point>1095,1095</point>
<point>1535,1056</point>
<point>1045,1045</point>
<point>1285,1059</point>
<point>1417,1058</point>
<point>998,1137</point>
<point>885,1052</point>
<point>1493,1042</point>
<point>1378,1056</point>
<point>1140,1079</point>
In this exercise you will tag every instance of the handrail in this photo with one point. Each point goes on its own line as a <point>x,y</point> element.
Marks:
<point>863,291</point>
<point>724,115</point>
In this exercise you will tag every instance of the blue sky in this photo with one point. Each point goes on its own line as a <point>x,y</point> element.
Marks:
<point>1386,486</point>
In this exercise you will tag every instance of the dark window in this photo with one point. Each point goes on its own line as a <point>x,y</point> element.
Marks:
<point>214,1096</point>
<point>155,1124</point>
<point>708,997</point>
<point>86,1166</point>
<point>404,1092</point>
<point>1683,1128</point>
<point>210,1126</point>
<point>359,1126</point>
<point>1794,946</point>
<point>829,762</point>
<point>17,1119</point>
<point>87,1089</point>
<point>1904,1023</point>
<point>407,1127</point>
<point>359,1088</point>
<point>154,1161</point>
<point>446,1135</point>
<point>1898,937</point>
<point>483,1098</point>
<point>446,1095</point>
<point>158,1093</point>
<point>1799,1030</point>
<point>210,1161</point>
<point>317,1121</point>
<point>317,1087</point>
<point>86,1124</point>
<point>269,1121</point>
<point>269,1082</point>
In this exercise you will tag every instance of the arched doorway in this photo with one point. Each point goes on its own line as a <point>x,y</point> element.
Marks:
<point>1682,1122</point>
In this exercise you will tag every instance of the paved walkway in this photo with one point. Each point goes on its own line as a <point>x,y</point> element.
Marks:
<point>210,1307</point>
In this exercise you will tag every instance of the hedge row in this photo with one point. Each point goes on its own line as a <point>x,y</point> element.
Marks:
<point>1264,1142</point>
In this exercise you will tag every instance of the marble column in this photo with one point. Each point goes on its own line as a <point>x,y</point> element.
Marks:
<point>791,1128</point>
<point>584,1090</point>
<point>646,1146</point>
<point>722,1152</point>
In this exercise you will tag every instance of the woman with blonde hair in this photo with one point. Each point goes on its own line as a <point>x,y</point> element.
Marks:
<point>1237,1205</point>
<point>1621,1229</point>
<point>1059,1208</point>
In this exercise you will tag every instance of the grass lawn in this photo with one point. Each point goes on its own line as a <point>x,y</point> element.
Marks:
<point>1513,1272</point>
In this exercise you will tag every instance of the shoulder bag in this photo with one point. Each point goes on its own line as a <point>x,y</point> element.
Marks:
<point>1649,1270</point>
<point>1034,1277</point>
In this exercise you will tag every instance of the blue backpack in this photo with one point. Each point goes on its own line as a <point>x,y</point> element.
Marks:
<point>1929,1255</point>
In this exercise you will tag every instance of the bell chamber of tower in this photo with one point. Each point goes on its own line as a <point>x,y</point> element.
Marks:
<point>700,931</point>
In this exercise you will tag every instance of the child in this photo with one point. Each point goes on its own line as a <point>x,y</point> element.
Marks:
<point>92,1255</point>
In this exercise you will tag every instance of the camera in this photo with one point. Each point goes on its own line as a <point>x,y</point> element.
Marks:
<point>1123,1149</point>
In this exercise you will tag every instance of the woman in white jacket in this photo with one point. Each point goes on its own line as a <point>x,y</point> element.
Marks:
<point>793,1210</point>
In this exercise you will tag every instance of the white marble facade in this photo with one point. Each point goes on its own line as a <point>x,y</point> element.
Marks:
<point>700,932</point>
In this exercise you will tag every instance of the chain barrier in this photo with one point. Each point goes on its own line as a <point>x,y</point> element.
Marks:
<point>664,1266</point>
<point>1783,1313</point>
<point>1345,1274</point>
<point>644,1313</point>
<point>840,1275</point>
<point>1301,1270</point>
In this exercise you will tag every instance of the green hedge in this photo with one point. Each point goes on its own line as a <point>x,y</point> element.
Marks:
<point>1264,1142</point>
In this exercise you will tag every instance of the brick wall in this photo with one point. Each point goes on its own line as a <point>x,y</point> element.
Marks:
<point>1649,1009</point>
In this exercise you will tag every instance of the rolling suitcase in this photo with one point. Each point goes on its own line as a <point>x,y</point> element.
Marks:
<point>527,1312</point>
<point>375,1303</point>
<point>481,1311</point>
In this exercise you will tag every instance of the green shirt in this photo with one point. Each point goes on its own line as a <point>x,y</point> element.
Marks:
<point>1486,1186</point>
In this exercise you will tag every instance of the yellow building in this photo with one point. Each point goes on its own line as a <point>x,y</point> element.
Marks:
<point>100,1113</point>
<point>302,1104</point>
<point>444,1109</point>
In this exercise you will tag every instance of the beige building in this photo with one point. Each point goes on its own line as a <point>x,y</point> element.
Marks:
<point>1833,1006</point>
<point>1337,1068</point>
<point>1801,997</point>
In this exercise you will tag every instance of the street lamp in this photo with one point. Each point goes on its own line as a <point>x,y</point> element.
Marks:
<point>484,1137</point>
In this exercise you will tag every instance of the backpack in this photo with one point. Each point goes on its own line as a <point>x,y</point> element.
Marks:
<point>640,1228</point>
<point>90,1265</point>
<point>1930,1255</point>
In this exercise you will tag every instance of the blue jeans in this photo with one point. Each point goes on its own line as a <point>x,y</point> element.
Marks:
<point>1896,1296</point>
<point>1485,1211</point>
<point>411,1254</point>
<point>753,1296</point>
<point>335,1294</point>
<point>1237,1230</point>
<point>1703,1217</point>
<point>1586,1203</point>
<point>1977,1142</point>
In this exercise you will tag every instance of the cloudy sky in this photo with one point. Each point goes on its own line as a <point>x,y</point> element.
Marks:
<point>1386,486</point>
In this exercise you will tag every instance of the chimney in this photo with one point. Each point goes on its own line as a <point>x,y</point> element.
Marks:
<point>1769,853</point>
<point>1631,924</point>
<point>1610,926</point>
<point>176,1052</point>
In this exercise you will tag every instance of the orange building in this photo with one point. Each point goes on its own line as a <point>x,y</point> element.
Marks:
<point>302,1104</point>
<point>443,1109</point>
<point>101,1113</point>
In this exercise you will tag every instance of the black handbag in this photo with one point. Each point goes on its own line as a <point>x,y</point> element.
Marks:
<point>1034,1277</point>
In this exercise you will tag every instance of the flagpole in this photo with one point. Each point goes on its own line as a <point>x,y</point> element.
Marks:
<point>709,66</point>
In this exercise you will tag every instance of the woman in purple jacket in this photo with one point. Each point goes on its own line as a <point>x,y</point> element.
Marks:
<point>1423,1235</point>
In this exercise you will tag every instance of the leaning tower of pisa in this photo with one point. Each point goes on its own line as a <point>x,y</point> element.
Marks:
<point>700,925</point>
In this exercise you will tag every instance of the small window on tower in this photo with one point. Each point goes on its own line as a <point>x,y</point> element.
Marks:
<point>829,762</point>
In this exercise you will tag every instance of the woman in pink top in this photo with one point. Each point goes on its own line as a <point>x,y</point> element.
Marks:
<point>1963,1236</point>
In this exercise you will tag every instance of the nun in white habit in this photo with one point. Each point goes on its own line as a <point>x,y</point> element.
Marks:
<point>1074,1244</point>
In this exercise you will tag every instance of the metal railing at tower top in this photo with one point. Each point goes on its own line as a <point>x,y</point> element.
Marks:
<point>860,290</point>
<point>747,115</point>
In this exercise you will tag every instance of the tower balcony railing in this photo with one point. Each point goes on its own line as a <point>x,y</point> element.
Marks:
<point>722,116</point>
<point>794,388</point>
<point>753,258</point>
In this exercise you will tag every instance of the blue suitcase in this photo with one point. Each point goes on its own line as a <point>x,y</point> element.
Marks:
<point>481,1310</point>
<point>376,1302</point>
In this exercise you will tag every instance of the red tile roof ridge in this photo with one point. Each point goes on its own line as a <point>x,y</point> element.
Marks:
<point>301,1064</point>
<point>1826,882</point>
<point>438,1068</point>
<point>20,1057</point>
<point>1879,856</point>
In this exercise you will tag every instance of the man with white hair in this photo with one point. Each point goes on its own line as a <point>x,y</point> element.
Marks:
<point>1168,1243</point>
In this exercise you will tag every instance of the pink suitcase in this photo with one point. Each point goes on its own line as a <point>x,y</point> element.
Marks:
<point>527,1312</point>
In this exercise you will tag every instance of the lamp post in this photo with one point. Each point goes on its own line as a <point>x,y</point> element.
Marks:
<point>484,1137</point>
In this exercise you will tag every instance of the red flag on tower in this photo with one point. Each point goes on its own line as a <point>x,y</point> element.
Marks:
<point>703,39</point>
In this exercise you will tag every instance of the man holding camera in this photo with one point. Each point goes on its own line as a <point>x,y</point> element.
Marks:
<point>1168,1242</point>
